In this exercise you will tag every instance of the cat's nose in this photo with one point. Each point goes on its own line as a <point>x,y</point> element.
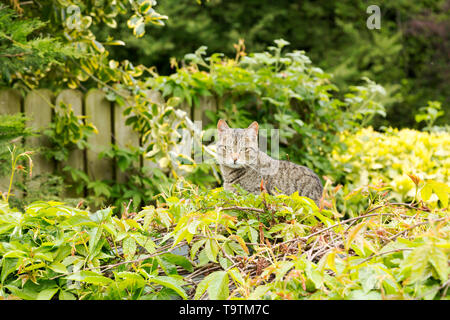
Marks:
<point>234,156</point>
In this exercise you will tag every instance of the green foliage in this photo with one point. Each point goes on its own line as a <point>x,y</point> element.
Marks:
<point>280,90</point>
<point>70,23</point>
<point>191,241</point>
<point>254,247</point>
<point>429,114</point>
<point>12,130</point>
<point>368,157</point>
<point>408,55</point>
<point>20,53</point>
<point>138,184</point>
<point>54,251</point>
<point>66,132</point>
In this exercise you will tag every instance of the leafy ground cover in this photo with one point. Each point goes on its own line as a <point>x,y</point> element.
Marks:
<point>219,245</point>
<point>368,156</point>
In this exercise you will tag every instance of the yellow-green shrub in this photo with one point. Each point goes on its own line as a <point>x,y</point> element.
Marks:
<point>369,156</point>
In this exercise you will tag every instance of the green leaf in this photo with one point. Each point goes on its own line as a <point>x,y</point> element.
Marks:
<point>218,286</point>
<point>442,191</point>
<point>201,287</point>
<point>94,240</point>
<point>58,267</point>
<point>416,263</point>
<point>66,295</point>
<point>253,235</point>
<point>47,294</point>
<point>90,277</point>
<point>171,283</point>
<point>8,266</point>
<point>25,293</point>
<point>426,192</point>
<point>440,263</point>
<point>98,46</point>
<point>196,246</point>
<point>179,261</point>
<point>236,276</point>
<point>282,269</point>
<point>129,248</point>
<point>134,278</point>
<point>211,250</point>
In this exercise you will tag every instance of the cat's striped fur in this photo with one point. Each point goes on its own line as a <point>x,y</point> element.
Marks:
<point>241,162</point>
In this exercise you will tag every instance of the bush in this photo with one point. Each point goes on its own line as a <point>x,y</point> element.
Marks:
<point>282,90</point>
<point>369,156</point>
<point>408,55</point>
<point>251,246</point>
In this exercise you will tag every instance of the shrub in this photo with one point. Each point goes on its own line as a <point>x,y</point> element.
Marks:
<point>251,247</point>
<point>12,130</point>
<point>281,90</point>
<point>369,156</point>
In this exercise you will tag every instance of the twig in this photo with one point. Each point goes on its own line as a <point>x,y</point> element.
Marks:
<point>383,253</point>
<point>409,206</point>
<point>414,226</point>
<point>11,55</point>
<point>162,250</point>
<point>244,209</point>
<point>339,224</point>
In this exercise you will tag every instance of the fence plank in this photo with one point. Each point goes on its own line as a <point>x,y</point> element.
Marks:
<point>206,103</point>
<point>74,99</point>
<point>98,111</point>
<point>38,107</point>
<point>124,137</point>
<point>10,103</point>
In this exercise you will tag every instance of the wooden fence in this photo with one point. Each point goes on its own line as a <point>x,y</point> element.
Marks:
<point>40,107</point>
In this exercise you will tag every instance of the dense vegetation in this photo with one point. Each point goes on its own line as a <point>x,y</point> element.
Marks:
<point>408,55</point>
<point>250,246</point>
<point>169,231</point>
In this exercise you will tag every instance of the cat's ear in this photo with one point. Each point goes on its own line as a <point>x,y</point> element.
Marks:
<point>254,127</point>
<point>222,125</point>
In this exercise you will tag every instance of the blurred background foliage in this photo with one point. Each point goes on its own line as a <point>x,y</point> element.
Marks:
<point>408,55</point>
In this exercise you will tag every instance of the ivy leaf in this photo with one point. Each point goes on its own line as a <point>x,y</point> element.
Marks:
<point>47,294</point>
<point>8,266</point>
<point>90,277</point>
<point>58,267</point>
<point>202,286</point>
<point>218,286</point>
<point>179,261</point>
<point>211,250</point>
<point>196,246</point>
<point>440,263</point>
<point>65,295</point>
<point>94,239</point>
<point>170,283</point>
<point>129,248</point>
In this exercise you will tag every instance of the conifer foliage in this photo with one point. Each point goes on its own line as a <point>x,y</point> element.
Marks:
<point>22,47</point>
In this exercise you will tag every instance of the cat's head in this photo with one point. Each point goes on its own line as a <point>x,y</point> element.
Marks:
<point>237,148</point>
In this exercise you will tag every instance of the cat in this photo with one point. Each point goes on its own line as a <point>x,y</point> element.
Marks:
<point>241,162</point>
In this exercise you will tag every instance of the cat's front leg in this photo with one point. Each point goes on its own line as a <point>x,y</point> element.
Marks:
<point>229,187</point>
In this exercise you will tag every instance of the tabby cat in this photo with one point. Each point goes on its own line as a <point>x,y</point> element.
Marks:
<point>241,162</point>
